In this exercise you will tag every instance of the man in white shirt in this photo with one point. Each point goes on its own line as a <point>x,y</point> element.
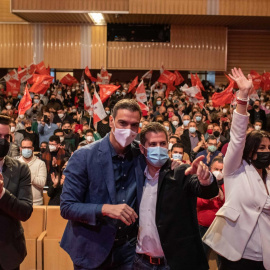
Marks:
<point>168,235</point>
<point>37,168</point>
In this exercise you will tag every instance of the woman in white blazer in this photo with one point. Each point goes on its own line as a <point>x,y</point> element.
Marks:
<point>241,230</point>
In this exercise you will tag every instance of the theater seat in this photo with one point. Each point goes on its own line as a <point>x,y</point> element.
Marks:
<point>46,198</point>
<point>49,253</point>
<point>33,227</point>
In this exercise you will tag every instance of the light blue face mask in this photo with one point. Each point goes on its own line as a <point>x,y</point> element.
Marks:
<point>198,118</point>
<point>192,129</point>
<point>158,102</point>
<point>177,156</point>
<point>157,156</point>
<point>186,122</point>
<point>212,148</point>
<point>27,153</point>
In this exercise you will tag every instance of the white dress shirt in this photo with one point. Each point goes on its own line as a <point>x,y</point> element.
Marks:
<point>148,237</point>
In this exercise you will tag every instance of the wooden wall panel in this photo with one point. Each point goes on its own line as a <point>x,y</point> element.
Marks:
<point>168,6</point>
<point>6,15</point>
<point>244,7</point>
<point>62,46</point>
<point>98,47</point>
<point>249,50</point>
<point>191,48</point>
<point>71,5</point>
<point>16,46</point>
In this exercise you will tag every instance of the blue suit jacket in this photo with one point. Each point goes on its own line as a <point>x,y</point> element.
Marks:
<point>89,182</point>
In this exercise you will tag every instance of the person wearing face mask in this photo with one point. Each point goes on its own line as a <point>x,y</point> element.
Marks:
<point>240,231</point>
<point>169,234</point>
<point>201,125</point>
<point>175,123</point>
<point>89,137</point>
<point>63,144</point>
<point>37,168</point>
<point>206,209</point>
<point>258,125</point>
<point>29,133</point>
<point>43,148</point>
<point>256,113</point>
<point>54,103</point>
<point>46,128</point>
<point>15,202</point>
<point>53,157</point>
<point>177,151</point>
<point>217,133</point>
<point>17,137</point>
<point>36,108</point>
<point>71,138</point>
<point>103,127</point>
<point>211,152</point>
<point>61,116</point>
<point>186,119</point>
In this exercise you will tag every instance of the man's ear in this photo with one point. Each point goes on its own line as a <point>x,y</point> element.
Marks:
<point>141,148</point>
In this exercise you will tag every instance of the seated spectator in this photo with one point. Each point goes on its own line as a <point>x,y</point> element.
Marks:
<point>43,148</point>
<point>17,137</point>
<point>89,137</point>
<point>28,133</point>
<point>258,124</point>
<point>256,113</point>
<point>37,168</point>
<point>53,157</point>
<point>55,190</point>
<point>71,138</point>
<point>46,128</point>
<point>207,209</point>
<point>177,152</point>
<point>211,152</point>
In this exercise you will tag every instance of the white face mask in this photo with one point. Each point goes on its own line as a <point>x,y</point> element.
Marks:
<point>267,107</point>
<point>21,116</point>
<point>170,146</point>
<point>52,148</point>
<point>257,127</point>
<point>167,128</point>
<point>224,110</point>
<point>89,138</point>
<point>8,107</point>
<point>61,115</point>
<point>12,129</point>
<point>62,138</point>
<point>177,156</point>
<point>175,123</point>
<point>124,136</point>
<point>218,175</point>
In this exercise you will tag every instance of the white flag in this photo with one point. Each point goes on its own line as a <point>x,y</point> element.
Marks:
<point>87,100</point>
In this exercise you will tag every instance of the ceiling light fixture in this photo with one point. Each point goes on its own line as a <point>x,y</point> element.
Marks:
<point>97,18</point>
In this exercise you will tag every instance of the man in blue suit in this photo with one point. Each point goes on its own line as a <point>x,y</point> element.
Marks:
<point>102,193</point>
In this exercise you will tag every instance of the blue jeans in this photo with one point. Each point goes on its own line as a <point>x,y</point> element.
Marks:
<point>142,264</point>
<point>120,258</point>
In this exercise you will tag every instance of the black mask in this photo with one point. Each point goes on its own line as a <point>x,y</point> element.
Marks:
<point>4,147</point>
<point>160,121</point>
<point>28,129</point>
<point>42,150</point>
<point>46,119</point>
<point>255,107</point>
<point>67,130</point>
<point>216,133</point>
<point>52,99</point>
<point>262,161</point>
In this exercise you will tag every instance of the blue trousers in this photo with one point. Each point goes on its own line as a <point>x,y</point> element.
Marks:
<point>142,264</point>
<point>120,258</point>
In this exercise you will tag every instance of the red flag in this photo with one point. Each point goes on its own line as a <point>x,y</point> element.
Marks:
<point>265,83</point>
<point>144,108</point>
<point>13,86</point>
<point>41,68</point>
<point>140,93</point>
<point>256,79</point>
<point>179,79</point>
<point>198,82</point>
<point>12,75</point>
<point>193,80</point>
<point>106,90</point>
<point>167,77</point>
<point>88,74</point>
<point>224,97</point>
<point>104,72</point>
<point>41,83</point>
<point>98,109</point>
<point>25,103</point>
<point>68,80</point>
<point>27,73</point>
<point>133,84</point>
<point>19,69</point>
<point>87,99</point>
<point>103,77</point>
<point>147,75</point>
<point>170,87</point>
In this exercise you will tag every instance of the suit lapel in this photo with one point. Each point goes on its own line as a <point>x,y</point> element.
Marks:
<point>7,171</point>
<point>139,174</point>
<point>106,167</point>
<point>163,171</point>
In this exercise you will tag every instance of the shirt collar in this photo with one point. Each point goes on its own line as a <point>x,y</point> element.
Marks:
<point>127,154</point>
<point>149,177</point>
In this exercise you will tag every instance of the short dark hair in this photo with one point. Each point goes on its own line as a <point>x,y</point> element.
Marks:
<point>152,127</point>
<point>211,137</point>
<point>218,159</point>
<point>54,138</point>
<point>128,104</point>
<point>177,139</point>
<point>5,120</point>
<point>26,139</point>
<point>89,130</point>
<point>44,142</point>
<point>178,145</point>
<point>253,141</point>
<point>58,130</point>
<point>66,122</point>
<point>258,121</point>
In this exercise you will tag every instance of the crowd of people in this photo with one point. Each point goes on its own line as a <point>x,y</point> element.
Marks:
<point>49,134</point>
